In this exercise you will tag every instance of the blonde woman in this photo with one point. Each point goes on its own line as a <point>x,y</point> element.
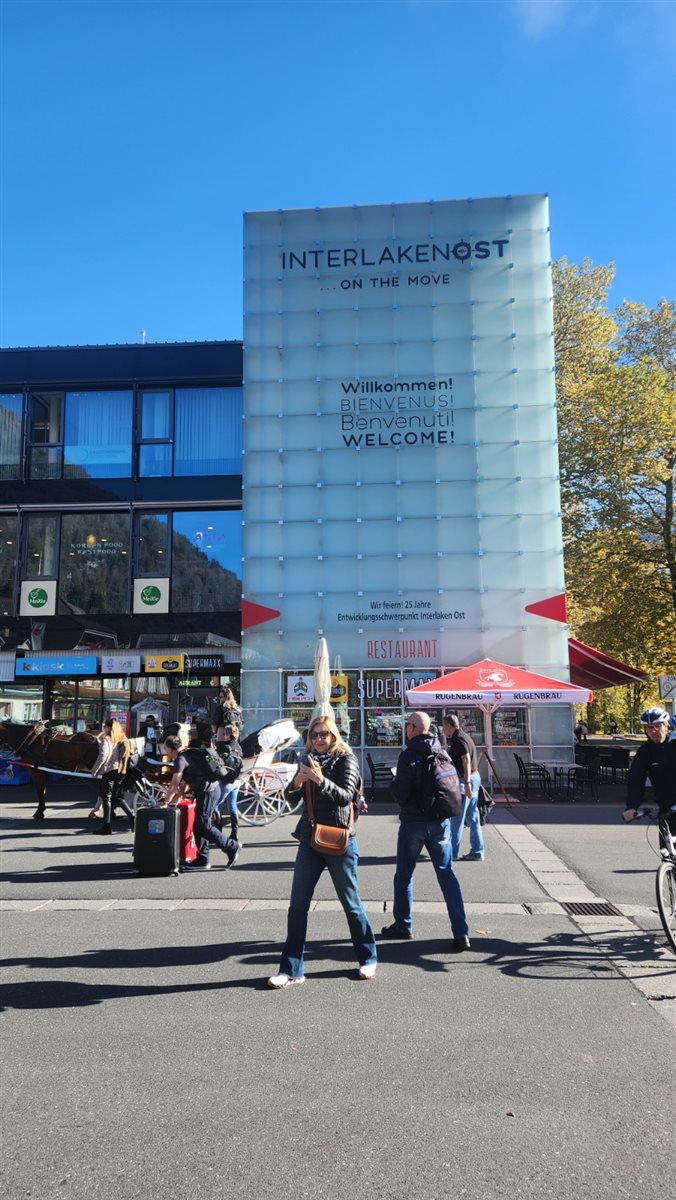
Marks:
<point>329,766</point>
<point>113,753</point>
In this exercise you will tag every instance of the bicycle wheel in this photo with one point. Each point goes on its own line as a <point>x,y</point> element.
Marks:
<point>665,886</point>
<point>260,796</point>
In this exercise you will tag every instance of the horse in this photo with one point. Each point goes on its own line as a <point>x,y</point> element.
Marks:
<point>40,749</point>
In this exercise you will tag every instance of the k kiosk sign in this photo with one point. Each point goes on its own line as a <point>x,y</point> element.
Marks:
<point>401,458</point>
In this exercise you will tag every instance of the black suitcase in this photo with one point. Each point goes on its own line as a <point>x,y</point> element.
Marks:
<point>156,841</point>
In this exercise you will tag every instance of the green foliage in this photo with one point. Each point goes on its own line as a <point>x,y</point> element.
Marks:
<point>617,430</point>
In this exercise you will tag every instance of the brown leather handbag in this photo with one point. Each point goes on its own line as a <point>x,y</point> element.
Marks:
<point>327,839</point>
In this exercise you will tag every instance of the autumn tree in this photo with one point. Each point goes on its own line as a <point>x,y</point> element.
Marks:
<point>617,430</point>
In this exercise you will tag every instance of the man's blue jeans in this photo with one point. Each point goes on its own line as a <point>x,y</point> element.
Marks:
<point>435,836</point>
<point>470,813</point>
<point>343,871</point>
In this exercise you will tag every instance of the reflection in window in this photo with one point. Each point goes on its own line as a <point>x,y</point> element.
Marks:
<point>10,436</point>
<point>155,415</point>
<point>40,547</point>
<point>208,431</point>
<point>94,570</point>
<point>152,544</point>
<point>45,435</point>
<point>7,563</point>
<point>206,561</point>
<point>98,435</point>
<point>154,460</point>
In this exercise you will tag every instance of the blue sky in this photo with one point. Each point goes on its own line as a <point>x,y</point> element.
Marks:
<point>136,132</point>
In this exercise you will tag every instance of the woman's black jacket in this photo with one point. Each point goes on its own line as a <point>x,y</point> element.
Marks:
<point>331,799</point>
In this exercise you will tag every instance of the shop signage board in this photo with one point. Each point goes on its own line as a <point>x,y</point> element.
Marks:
<point>151,595</point>
<point>112,664</point>
<point>63,665</point>
<point>401,457</point>
<point>203,662</point>
<point>164,664</point>
<point>38,598</point>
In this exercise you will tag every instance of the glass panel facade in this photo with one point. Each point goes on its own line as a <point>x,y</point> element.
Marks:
<point>45,462</point>
<point>7,563</point>
<point>41,542</point>
<point>208,431</point>
<point>21,702</point>
<point>98,435</point>
<point>46,409</point>
<point>152,544</point>
<point>154,460</point>
<point>94,570</point>
<point>206,561</point>
<point>10,436</point>
<point>155,415</point>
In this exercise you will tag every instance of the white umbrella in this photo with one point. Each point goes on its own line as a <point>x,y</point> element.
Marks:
<point>322,681</point>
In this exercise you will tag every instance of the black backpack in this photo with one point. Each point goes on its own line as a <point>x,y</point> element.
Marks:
<point>439,794</point>
<point>207,764</point>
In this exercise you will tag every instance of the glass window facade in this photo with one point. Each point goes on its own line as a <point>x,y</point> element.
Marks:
<point>208,431</point>
<point>41,547</point>
<point>7,562</point>
<point>10,436</point>
<point>206,561</point>
<point>98,435</point>
<point>94,563</point>
<point>152,544</point>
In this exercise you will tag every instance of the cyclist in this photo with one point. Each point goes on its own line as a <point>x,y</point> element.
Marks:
<point>655,760</point>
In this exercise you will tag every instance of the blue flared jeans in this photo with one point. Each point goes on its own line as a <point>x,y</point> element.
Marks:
<point>435,836</point>
<point>343,871</point>
<point>469,814</point>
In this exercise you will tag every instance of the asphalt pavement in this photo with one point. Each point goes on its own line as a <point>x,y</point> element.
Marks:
<point>143,1056</point>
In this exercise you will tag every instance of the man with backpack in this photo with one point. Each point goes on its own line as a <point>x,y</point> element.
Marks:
<point>427,788</point>
<point>202,770</point>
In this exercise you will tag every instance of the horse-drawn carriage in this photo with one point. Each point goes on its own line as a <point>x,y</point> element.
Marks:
<point>261,785</point>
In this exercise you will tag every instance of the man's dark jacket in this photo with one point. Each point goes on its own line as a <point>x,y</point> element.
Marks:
<point>406,785</point>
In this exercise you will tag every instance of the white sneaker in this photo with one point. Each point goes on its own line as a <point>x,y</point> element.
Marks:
<point>281,981</point>
<point>367,971</point>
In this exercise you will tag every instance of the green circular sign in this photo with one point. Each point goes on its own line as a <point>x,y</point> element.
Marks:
<point>151,595</point>
<point>37,597</point>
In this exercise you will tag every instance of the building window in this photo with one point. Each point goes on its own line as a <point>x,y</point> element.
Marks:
<point>45,435</point>
<point>11,408</point>
<point>7,563</point>
<point>152,544</point>
<point>208,431</point>
<point>206,561</point>
<point>155,425</point>
<point>41,547</point>
<point>94,563</point>
<point>98,435</point>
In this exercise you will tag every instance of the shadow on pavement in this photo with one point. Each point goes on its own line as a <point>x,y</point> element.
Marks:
<point>566,957</point>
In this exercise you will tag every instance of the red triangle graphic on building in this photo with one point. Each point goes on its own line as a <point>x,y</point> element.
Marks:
<point>554,608</point>
<point>256,614</point>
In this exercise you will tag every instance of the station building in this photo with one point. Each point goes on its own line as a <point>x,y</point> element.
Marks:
<point>377,464</point>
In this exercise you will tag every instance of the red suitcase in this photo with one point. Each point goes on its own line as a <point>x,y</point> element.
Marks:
<point>186,837</point>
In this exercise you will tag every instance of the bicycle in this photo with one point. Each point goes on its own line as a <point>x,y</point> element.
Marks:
<point>665,879</point>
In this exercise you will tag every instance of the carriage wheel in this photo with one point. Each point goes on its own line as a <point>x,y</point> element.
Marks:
<point>261,796</point>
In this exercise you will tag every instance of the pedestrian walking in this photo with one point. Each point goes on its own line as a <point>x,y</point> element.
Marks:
<point>191,770</point>
<point>463,753</point>
<point>417,830</point>
<point>112,757</point>
<point>329,777</point>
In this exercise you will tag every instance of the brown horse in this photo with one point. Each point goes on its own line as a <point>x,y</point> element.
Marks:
<point>42,750</point>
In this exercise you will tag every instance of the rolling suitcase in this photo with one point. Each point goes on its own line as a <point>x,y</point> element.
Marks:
<point>187,844</point>
<point>156,841</point>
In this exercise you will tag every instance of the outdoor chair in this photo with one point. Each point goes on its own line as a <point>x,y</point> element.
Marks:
<point>535,774</point>
<point>580,775</point>
<point>381,776</point>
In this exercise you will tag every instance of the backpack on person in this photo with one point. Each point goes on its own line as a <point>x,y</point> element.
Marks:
<point>439,794</point>
<point>207,764</point>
